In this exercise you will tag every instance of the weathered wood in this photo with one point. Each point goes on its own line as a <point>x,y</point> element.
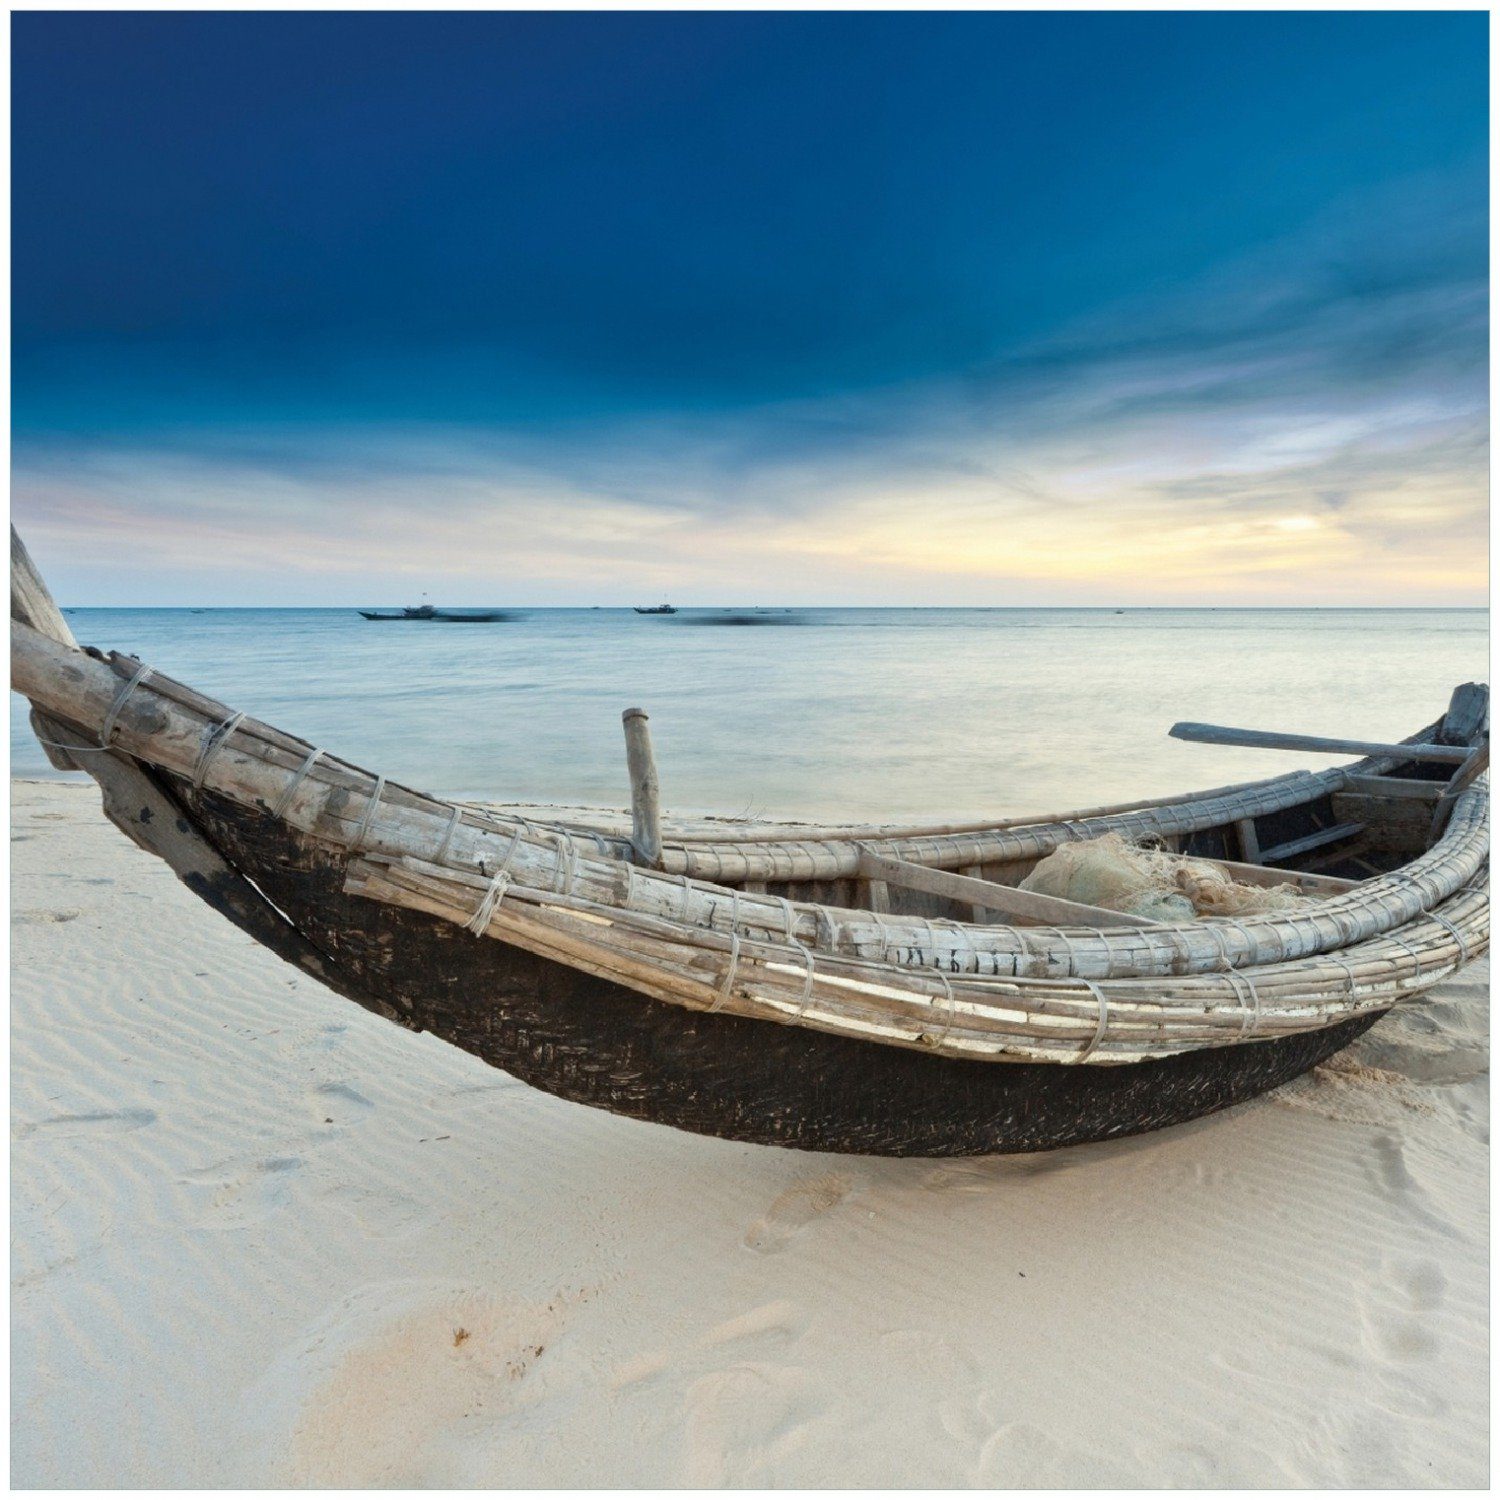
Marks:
<point>1473,768</point>
<point>31,602</point>
<point>1309,885</point>
<point>1468,713</point>
<point>645,794</point>
<point>1400,788</point>
<point>1266,739</point>
<point>334,800</point>
<point>601,1044</point>
<point>1249,841</point>
<point>1024,906</point>
<point>1310,841</point>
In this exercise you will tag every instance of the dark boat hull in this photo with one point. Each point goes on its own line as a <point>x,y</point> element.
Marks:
<point>441,619</point>
<point>599,1044</point>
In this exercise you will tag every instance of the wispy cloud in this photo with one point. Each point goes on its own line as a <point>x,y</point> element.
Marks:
<point>1306,425</point>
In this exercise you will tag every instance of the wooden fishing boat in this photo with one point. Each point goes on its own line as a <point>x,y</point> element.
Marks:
<point>442,616</point>
<point>866,988</point>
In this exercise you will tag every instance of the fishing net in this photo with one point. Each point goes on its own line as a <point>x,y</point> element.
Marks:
<point>1110,872</point>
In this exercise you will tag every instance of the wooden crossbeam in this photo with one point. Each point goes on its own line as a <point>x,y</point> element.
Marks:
<point>1005,900</point>
<point>1310,841</point>
<point>1308,884</point>
<point>1397,787</point>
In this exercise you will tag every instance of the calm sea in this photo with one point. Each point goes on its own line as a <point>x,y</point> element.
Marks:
<point>841,713</point>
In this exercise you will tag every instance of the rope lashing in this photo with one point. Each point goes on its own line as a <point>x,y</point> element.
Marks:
<point>213,742</point>
<point>1343,963</point>
<point>284,801</point>
<point>1454,933</point>
<point>455,815</point>
<point>734,962</point>
<point>42,739</point>
<point>1100,1028</point>
<point>1072,962</point>
<point>565,846</point>
<point>687,897</point>
<point>484,913</point>
<point>936,1039</point>
<point>358,841</point>
<point>807,982</point>
<point>1242,985</point>
<point>107,729</point>
<point>1215,930</point>
<point>790,918</point>
<point>1416,957</point>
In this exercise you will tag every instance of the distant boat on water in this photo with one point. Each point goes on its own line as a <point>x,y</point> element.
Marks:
<point>447,616</point>
<point>655,609</point>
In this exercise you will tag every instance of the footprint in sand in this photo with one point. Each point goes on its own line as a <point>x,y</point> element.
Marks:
<point>338,1101</point>
<point>1395,1176</point>
<point>244,1190</point>
<point>1394,1312</point>
<point>793,1210</point>
<point>106,1122</point>
<point>32,918</point>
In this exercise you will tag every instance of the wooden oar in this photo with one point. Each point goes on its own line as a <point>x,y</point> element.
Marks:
<point>1266,739</point>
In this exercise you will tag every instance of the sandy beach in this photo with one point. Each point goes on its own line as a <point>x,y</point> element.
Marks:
<point>261,1237</point>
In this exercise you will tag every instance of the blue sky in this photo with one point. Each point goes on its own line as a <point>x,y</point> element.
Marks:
<point>876,308</point>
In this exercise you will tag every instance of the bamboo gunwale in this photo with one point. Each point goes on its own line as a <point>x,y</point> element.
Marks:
<point>168,725</point>
<point>1044,1020</point>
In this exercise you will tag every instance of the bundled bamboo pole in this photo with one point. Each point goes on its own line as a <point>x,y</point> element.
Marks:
<point>1117,1021</point>
<point>194,737</point>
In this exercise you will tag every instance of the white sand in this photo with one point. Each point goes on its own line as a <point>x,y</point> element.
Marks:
<point>262,1237</point>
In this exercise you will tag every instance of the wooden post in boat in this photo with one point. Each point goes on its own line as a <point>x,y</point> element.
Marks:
<point>1249,842</point>
<point>1468,712</point>
<point>645,804</point>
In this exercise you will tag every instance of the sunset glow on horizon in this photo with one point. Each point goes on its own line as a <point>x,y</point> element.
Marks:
<point>792,309</point>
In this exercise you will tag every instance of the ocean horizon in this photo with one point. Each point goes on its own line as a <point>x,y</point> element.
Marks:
<point>862,713</point>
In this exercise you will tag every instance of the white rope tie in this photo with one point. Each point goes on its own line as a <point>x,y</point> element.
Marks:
<point>960,937</point>
<point>932,939</point>
<point>1457,936</point>
<point>1343,963</point>
<point>214,742</point>
<point>479,923</point>
<point>687,896</point>
<point>107,729</point>
<point>1242,986</point>
<point>1415,956</point>
<point>284,801</point>
<point>1100,1028</point>
<point>791,919</point>
<point>807,982</point>
<point>565,847</point>
<point>358,841</point>
<point>629,886</point>
<point>936,1039</point>
<point>1072,960</point>
<point>1216,931</point>
<point>728,984</point>
<point>455,814</point>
